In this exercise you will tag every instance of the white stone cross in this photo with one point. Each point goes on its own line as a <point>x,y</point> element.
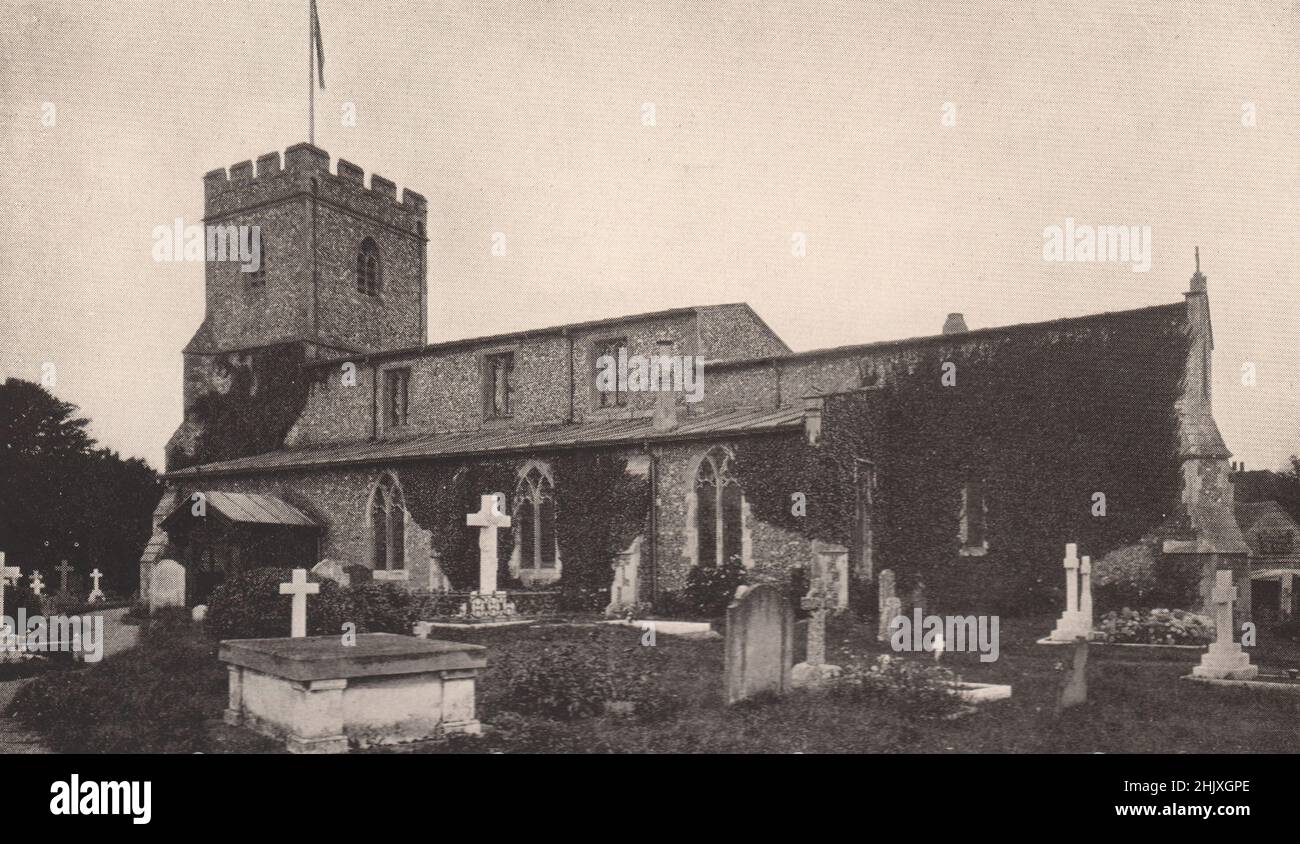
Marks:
<point>299,588</point>
<point>95,593</point>
<point>64,570</point>
<point>487,520</point>
<point>1071,580</point>
<point>38,583</point>
<point>1085,592</point>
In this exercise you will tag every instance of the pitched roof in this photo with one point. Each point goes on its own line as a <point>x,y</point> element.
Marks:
<point>250,508</point>
<point>588,434</point>
<point>1249,513</point>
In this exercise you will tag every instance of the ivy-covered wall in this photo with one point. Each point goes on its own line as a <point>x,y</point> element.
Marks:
<point>1043,419</point>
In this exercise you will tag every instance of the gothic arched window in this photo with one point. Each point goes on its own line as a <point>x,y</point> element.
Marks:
<point>369,280</point>
<point>387,517</point>
<point>718,502</point>
<point>535,518</point>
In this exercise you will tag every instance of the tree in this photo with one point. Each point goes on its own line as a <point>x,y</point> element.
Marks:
<point>63,497</point>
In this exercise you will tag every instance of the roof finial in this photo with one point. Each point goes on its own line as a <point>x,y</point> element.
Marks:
<point>1198,259</point>
<point>1198,280</point>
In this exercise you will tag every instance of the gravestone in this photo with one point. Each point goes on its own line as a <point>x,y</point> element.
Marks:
<point>487,602</point>
<point>328,569</point>
<point>623,588</point>
<point>167,586</point>
<point>759,643</point>
<point>887,593</point>
<point>299,588</point>
<point>1072,624</point>
<point>96,594</point>
<point>1225,660</point>
<point>8,574</point>
<point>64,570</point>
<point>814,670</point>
<point>1074,691</point>
<point>38,583</point>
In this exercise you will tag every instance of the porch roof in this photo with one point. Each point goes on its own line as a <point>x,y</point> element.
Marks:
<point>248,508</point>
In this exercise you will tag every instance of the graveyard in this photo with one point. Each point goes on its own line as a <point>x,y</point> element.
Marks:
<point>765,682</point>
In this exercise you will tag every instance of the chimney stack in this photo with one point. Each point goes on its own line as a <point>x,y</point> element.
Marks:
<point>955,324</point>
<point>665,418</point>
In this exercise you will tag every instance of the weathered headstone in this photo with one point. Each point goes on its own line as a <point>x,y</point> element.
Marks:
<point>299,588</point>
<point>328,569</point>
<point>96,594</point>
<point>1074,691</point>
<point>885,588</point>
<point>167,585</point>
<point>1225,660</point>
<point>821,596</point>
<point>759,646</point>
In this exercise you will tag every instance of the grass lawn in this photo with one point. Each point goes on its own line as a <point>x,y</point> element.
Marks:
<point>1136,701</point>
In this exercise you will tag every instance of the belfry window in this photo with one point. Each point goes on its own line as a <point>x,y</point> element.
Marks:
<point>369,279</point>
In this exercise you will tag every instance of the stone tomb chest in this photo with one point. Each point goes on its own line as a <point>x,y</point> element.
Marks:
<point>321,696</point>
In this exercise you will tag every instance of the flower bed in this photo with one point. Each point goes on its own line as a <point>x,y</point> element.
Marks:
<point>1155,627</point>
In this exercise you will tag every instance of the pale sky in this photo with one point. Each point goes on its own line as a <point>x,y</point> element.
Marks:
<point>771,119</point>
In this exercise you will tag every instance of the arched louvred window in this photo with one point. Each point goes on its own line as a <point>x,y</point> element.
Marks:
<point>387,516</point>
<point>534,516</point>
<point>718,506</point>
<point>369,272</point>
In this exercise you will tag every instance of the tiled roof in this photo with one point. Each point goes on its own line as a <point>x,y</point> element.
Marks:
<point>586,434</point>
<point>248,508</point>
<point>1250,512</point>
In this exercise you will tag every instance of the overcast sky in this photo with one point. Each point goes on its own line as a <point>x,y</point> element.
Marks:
<point>771,119</point>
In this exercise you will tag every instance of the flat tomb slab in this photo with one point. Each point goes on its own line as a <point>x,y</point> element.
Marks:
<point>982,692</point>
<point>321,696</point>
<point>373,655</point>
<point>689,629</point>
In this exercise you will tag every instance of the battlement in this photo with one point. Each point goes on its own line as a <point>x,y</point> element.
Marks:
<point>306,169</point>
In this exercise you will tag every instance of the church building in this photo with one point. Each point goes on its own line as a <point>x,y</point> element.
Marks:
<point>321,423</point>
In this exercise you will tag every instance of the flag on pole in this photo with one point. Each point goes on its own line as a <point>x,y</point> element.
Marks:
<point>320,48</point>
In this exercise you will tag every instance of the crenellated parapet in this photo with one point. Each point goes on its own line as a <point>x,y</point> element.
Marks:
<point>304,171</point>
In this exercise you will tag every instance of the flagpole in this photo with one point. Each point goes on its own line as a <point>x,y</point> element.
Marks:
<point>311,79</point>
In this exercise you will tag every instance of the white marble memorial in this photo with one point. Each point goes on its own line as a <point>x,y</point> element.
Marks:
<point>1073,623</point>
<point>1225,660</point>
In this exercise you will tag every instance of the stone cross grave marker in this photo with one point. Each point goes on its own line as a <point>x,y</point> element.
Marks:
<point>64,570</point>
<point>95,593</point>
<point>1225,660</point>
<point>821,596</point>
<point>759,643</point>
<point>38,584</point>
<point>1085,595</point>
<point>1072,624</point>
<point>886,592</point>
<point>487,520</point>
<point>299,588</point>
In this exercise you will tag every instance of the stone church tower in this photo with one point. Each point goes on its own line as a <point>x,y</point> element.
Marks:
<point>342,271</point>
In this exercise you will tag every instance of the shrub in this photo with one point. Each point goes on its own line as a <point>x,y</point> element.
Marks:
<point>570,681</point>
<point>381,607</point>
<point>1156,627</point>
<point>709,589</point>
<point>911,688</point>
<point>249,606</point>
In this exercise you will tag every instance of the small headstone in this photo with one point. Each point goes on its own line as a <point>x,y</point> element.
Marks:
<point>1074,691</point>
<point>199,613</point>
<point>328,569</point>
<point>886,593</point>
<point>167,585</point>
<point>759,643</point>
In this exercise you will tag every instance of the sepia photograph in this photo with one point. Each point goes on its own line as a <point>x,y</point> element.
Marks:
<point>386,379</point>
